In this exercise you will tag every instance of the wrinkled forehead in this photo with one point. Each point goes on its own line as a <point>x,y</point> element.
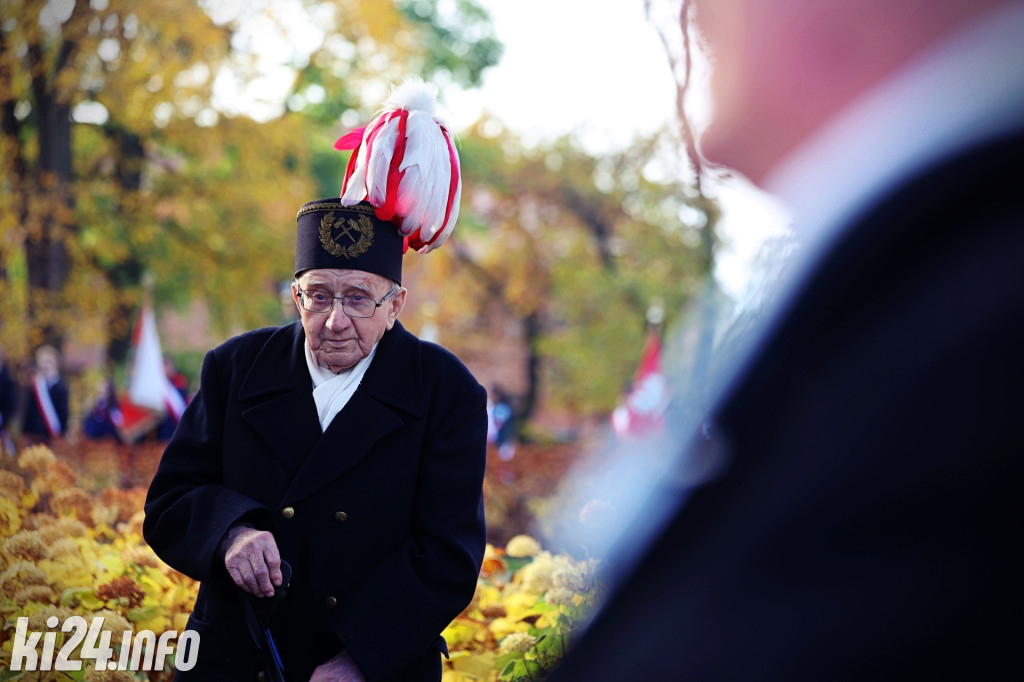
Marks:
<point>338,279</point>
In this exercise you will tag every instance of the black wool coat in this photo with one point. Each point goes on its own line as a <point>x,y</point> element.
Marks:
<point>381,516</point>
<point>864,525</point>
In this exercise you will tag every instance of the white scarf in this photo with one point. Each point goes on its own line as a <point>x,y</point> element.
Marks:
<point>331,392</point>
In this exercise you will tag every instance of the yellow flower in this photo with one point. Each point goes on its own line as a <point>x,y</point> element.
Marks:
<point>559,596</point>
<point>10,517</point>
<point>104,516</point>
<point>122,505</point>
<point>36,458</point>
<point>140,555</point>
<point>39,521</point>
<point>115,623</point>
<point>37,621</point>
<point>50,533</point>
<point>65,547</point>
<point>517,641</point>
<point>71,527</point>
<point>122,587</point>
<point>40,593</point>
<point>73,502</point>
<point>537,575</point>
<point>26,544</point>
<point>67,570</point>
<point>12,485</point>
<point>569,577</point>
<point>56,477</point>
<point>522,546</point>
<point>134,523</point>
<point>19,574</point>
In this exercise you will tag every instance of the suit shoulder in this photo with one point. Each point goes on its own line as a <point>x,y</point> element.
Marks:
<point>442,370</point>
<point>247,345</point>
<point>437,358</point>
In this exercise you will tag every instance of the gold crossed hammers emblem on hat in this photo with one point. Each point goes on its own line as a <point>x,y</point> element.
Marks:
<point>359,233</point>
<point>346,231</point>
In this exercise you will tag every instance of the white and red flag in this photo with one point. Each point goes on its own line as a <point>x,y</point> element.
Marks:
<point>643,410</point>
<point>149,385</point>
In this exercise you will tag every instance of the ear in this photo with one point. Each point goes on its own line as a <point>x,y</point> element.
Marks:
<point>397,303</point>
<point>295,297</point>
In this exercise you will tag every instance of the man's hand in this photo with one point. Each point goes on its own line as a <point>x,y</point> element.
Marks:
<point>252,560</point>
<point>341,668</point>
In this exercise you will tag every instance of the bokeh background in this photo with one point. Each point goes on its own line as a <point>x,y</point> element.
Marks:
<point>153,156</point>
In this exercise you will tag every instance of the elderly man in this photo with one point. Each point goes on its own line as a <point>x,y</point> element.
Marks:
<point>861,523</point>
<point>341,446</point>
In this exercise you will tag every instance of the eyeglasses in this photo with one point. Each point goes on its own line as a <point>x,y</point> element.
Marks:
<point>353,305</point>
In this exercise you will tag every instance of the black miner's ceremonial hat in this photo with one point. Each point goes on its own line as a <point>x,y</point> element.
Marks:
<point>331,235</point>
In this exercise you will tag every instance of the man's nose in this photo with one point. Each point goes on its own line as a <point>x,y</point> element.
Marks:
<point>336,318</point>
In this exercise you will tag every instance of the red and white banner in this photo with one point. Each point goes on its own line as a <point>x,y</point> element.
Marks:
<point>643,409</point>
<point>149,385</point>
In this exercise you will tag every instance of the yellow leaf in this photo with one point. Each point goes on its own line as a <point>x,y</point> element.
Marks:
<point>461,632</point>
<point>477,666</point>
<point>29,500</point>
<point>521,605</point>
<point>10,517</point>
<point>489,594</point>
<point>180,621</point>
<point>500,627</point>
<point>154,583</point>
<point>112,563</point>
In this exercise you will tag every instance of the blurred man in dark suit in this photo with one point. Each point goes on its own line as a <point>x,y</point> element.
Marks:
<point>8,400</point>
<point>45,414</point>
<point>864,521</point>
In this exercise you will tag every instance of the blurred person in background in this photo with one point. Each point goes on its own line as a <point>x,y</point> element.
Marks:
<point>104,419</point>
<point>340,445</point>
<point>8,401</point>
<point>871,445</point>
<point>45,412</point>
<point>504,424</point>
<point>179,382</point>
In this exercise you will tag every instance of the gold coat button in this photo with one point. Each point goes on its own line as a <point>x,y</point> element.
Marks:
<point>288,512</point>
<point>331,602</point>
<point>340,517</point>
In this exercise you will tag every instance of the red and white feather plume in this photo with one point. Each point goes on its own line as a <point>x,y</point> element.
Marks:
<point>405,164</point>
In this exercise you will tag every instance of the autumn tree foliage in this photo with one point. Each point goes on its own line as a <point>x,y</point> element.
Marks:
<point>112,65</point>
<point>119,158</point>
<point>147,137</point>
<point>571,249</point>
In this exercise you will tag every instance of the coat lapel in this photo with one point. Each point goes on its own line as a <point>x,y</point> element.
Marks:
<point>390,393</point>
<point>277,398</point>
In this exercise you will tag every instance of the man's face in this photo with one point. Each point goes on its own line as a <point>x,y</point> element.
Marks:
<point>338,341</point>
<point>737,50</point>
<point>775,68</point>
<point>47,365</point>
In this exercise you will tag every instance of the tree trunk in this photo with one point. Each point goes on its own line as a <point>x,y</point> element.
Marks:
<point>128,274</point>
<point>51,216</point>
<point>13,164</point>
<point>532,332</point>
